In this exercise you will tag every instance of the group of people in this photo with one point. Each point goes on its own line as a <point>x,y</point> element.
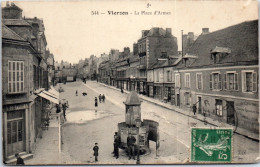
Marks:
<point>62,106</point>
<point>101,98</point>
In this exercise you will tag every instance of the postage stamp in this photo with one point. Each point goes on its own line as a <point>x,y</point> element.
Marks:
<point>211,145</point>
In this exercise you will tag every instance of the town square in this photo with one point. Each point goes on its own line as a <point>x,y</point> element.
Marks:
<point>87,87</point>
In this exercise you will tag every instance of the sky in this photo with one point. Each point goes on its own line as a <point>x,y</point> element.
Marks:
<point>73,33</point>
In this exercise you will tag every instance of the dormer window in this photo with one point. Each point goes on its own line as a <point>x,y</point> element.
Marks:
<point>219,53</point>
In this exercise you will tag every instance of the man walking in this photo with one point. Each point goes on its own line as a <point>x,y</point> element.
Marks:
<point>19,160</point>
<point>103,98</point>
<point>95,149</point>
<point>100,98</point>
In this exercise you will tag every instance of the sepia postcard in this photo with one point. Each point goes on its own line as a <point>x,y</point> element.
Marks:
<point>95,82</point>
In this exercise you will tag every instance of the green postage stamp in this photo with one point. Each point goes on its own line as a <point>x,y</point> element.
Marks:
<point>211,145</point>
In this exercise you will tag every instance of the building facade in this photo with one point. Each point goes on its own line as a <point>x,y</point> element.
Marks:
<point>219,76</point>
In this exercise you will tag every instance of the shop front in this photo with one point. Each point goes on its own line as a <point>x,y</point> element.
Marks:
<point>15,124</point>
<point>169,93</point>
<point>150,89</point>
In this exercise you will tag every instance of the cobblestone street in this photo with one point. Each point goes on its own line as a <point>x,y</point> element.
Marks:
<point>79,137</point>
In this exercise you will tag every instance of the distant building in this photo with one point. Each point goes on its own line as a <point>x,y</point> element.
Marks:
<point>153,44</point>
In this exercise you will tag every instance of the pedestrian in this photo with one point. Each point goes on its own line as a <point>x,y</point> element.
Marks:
<point>116,149</point>
<point>19,160</point>
<point>100,98</point>
<point>131,146</point>
<point>103,98</point>
<point>64,107</point>
<point>194,109</point>
<point>58,108</point>
<point>122,91</point>
<point>76,92</point>
<point>116,145</point>
<point>96,102</point>
<point>95,149</point>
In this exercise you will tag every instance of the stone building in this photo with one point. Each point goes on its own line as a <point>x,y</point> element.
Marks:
<point>153,44</point>
<point>219,75</point>
<point>24,77</point>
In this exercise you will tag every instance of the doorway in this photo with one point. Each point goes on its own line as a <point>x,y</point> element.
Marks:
<point>199,104</point>
<point>230,112</point>
<point>15,132</point>
<point>178,99</point>
<point>169,94</point>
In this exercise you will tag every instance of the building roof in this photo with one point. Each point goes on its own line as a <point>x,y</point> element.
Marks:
<point>10,34</point>
<point>238,42</point>
<point>132,99</point>
<point>16,22</point>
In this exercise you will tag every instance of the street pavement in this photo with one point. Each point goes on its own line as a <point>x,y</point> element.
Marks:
<point>87,124</point>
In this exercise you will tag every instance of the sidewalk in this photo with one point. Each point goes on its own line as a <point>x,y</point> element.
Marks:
<point>47,148</point>
<point>199,117</point>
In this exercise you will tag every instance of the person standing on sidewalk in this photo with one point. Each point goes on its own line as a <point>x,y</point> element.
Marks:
<point>122,91</point>
<point>19,160</point>
<point>194,109</point>
<point>131,146</point>
<point>64,107</point>
<point>58,108</point>
<point>95,149</point>
<point>76,92</point>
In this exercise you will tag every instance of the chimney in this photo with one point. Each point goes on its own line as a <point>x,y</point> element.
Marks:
<point>7,4</point>
<point>191,36</point>
<point>168,31</point>
<point>205,31</point>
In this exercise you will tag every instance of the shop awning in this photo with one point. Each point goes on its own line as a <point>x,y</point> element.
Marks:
<point>54,92</point>
<point>49,97</point>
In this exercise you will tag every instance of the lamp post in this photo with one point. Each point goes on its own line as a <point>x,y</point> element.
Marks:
<point>138,125</point>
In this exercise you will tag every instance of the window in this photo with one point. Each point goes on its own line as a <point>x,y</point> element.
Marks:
<point>199,80</point>
<point>219,107</point>
<point>249,81</point>
<point>187,98</point>
<point>15,76</point>
<point>215,81</point>
<point>187,80</point>
<point>157,76</point>
<point>177,80</point>
<point>169,76</point>
<point>230,81</point>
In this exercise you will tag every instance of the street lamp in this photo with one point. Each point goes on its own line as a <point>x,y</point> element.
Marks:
<point>138,125</point>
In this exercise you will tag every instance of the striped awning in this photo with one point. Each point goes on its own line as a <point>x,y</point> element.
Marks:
<point>49,96</point>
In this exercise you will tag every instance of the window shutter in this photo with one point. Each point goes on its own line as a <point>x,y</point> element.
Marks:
<point>219,82</point>
<point>243,82</point>
<point>225,82</point>
<point>210,81</point>
<point>236,81</point>
<point>254,82</point>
